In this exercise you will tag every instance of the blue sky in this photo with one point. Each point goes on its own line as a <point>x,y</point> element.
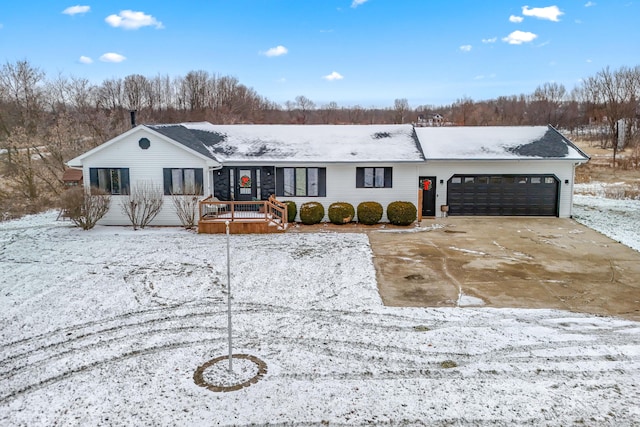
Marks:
<point>364,52</point>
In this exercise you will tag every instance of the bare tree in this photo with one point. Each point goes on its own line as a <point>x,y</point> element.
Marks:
<point>355,114</point>
<point>143,203</point>
<point>401,109</point>
<point>616,93</point>
<point>303,106</point>
<point>462,110</point>
<point>111,94</point>
<point>21,87</point>
<point>547,104</point>
<point>329,113</point>
<point>135,88</point>
<point>194,91</point>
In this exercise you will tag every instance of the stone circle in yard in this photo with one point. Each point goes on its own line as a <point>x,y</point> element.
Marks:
<point>215,376</point>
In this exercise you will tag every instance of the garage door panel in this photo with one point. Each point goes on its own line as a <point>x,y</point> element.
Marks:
<point>518,195</point>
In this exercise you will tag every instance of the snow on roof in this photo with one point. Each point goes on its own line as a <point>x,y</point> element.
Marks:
<point>299,143</point>
<point>496,143</point>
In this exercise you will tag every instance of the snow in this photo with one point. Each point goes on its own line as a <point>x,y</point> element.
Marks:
<point>482,142</point>
<point>107,327</point>
<point>313,143</point>
<point>619,223</point>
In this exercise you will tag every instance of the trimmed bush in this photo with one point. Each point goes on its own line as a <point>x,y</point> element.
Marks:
<point>341,213</point>
<point>369,213</point>
<point>292,210</point>
<point>401,213</point>
<point>311,213</point>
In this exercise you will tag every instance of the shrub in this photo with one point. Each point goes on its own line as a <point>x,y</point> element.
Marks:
<point>311,213</point>
<point>401,213</point>
<point>341,212</point>
<point>142,204</point>
<point>84,209</point>
<point>292,210</point>
<point>186,208</point>
<point>369,213</point>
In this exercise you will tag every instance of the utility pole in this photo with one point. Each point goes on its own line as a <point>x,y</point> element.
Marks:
<point>226,223</point>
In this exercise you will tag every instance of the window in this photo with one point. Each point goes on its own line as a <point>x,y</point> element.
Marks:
<point>110,180</point>
<point>182,181</point>
<point>301,182</point>
<point>373,177</point>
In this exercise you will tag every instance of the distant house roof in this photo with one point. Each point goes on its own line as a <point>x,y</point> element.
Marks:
<point>497,143</point>
<point>72,175</point>
<point>298,143</point>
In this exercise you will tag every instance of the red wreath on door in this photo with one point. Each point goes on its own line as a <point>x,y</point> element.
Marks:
<point>426,184</point>
<point>245,181</point>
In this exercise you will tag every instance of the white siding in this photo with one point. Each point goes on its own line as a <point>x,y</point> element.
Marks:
<point>444,170</point>
<point>144,165</point>
<point>341,186</point>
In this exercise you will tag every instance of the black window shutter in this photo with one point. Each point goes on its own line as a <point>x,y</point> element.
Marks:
<point>279,182</point>
<point>388,172</point>
<point>322,182</point>
<point>199,180</point>
<point>124,180</point>
<point>359,177</point>
<point>93,177</point>
<point>166,175</point>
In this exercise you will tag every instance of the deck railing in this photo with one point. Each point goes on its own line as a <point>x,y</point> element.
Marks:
<point>271,211</point>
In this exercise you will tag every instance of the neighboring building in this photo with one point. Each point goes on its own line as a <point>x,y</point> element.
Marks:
<point>472,170</point>
<point>72,178</point>
<point>429,119</point>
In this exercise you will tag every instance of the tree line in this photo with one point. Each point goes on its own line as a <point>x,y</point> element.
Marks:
<point>45,121</point>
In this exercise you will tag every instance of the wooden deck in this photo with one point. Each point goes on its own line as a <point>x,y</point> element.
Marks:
<point>267,216</point>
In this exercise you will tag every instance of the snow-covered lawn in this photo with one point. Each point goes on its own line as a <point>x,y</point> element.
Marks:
<point>617,219</point>
<point>107,327</point>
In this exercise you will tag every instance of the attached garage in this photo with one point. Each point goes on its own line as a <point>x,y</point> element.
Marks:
<point>499,171</point>
<point>512,195</point>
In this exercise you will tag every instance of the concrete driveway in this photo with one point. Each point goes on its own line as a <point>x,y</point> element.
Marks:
<point>507,262</point>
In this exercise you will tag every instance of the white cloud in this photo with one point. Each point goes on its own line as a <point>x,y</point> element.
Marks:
<point>550,12</point>
<point>589,4</point>
<point>112,57</point>
<point>334,76</point>
<point>465,48</point>
<point>75,10</point>
<point>482,77</point>
<point>516,19</point>
<point>85,60</point>
<point>491,40</point>
<point>519,37</point>
<point>276,51</point>
<point>356,3</point>
<point>131,20</point>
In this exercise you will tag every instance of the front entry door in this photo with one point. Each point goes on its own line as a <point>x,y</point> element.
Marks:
<point>428,188</point>
<point>247,182</point>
